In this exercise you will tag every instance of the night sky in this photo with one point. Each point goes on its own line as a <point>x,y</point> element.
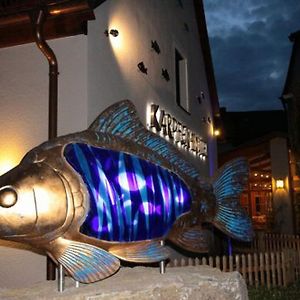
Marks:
<point>251,50</point>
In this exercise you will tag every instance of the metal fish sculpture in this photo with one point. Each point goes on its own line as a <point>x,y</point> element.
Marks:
<point>112,193</point>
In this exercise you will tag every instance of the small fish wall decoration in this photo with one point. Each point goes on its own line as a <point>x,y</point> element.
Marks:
<point>113,192</point>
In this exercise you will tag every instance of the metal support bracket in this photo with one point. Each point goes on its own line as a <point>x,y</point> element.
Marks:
<point>60,278</point>
<point>162,264</point>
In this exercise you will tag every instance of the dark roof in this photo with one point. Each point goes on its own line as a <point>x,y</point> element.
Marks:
<point>295,39</point>
<point>243,127</point>
<point>295,35</point>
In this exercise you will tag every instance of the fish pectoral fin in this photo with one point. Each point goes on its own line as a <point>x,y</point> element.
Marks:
<point>84,262</point>
<point>141,252</point>
<point>194,239</point>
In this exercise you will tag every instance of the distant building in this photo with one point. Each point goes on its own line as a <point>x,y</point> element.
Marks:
<point>291,101</point>
<point>150,52</point>
<point>261,137</point>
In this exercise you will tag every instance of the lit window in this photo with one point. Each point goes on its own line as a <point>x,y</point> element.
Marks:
<point>181,81</point>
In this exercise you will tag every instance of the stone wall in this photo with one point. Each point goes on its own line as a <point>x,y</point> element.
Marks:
<point>201,283</point>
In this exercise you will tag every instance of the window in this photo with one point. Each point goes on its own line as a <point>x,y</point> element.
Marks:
<point>181,81</point>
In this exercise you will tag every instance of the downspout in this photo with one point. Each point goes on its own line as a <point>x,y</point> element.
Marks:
<point>38,24</point>
<point>53,72</point>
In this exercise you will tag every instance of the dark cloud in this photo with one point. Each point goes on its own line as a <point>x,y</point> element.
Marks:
<point>251,50</point>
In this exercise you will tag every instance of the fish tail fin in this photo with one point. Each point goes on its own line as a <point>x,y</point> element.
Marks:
<point>230,217</point>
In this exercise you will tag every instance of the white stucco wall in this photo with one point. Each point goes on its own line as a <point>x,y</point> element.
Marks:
<point>282,203</point>
<point>24,95</point>
<point>113,74</point>
<point>24,124</point>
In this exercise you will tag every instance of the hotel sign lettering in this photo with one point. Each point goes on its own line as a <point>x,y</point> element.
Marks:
<point>174,130</point>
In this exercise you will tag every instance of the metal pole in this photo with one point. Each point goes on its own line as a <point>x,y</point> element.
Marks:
<point>229,246</point>
<point>61,278</point>
<point>162,264</point>
<point>38,22</point>
<point>50,269</point>
<point>53,73</point>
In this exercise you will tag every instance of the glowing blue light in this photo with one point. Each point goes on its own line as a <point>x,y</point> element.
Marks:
<point>127,203</point>
<point>145,208</point>
<point>131,199</point>
<point>131,181</point>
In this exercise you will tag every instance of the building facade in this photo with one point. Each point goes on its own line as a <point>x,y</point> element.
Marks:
<point>150,52</point>
<point>291,101</point>
<point>261,137</point>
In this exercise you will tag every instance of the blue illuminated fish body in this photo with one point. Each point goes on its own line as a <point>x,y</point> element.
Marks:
<point>131,198</point>
<point>114,192</point>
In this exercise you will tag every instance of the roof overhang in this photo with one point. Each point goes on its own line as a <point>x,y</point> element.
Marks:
<point>293,37</point>
<point>64,18</point>
<point>208,64</point>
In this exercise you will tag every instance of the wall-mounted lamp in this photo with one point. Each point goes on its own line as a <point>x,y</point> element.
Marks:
<point>279,184</point>
<point>113,32</point>
<point>142,67</point>
<point>217,132</point>
<point>155,46</point>
<point>203,157</point>
<point>165,74</point>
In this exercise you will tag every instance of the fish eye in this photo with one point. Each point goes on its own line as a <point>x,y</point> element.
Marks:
<point>8,197</point>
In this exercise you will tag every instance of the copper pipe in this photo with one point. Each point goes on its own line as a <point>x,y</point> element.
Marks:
<point>70,7</point>
<point>53,79</point>
<point>53,73</point>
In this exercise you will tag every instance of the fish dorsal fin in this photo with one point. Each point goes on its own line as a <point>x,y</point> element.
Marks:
<point>121,119</point>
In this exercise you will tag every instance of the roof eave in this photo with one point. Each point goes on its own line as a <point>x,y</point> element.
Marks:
<point>205,46</point>
<point>64,18</point>
<point>292,37</point>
